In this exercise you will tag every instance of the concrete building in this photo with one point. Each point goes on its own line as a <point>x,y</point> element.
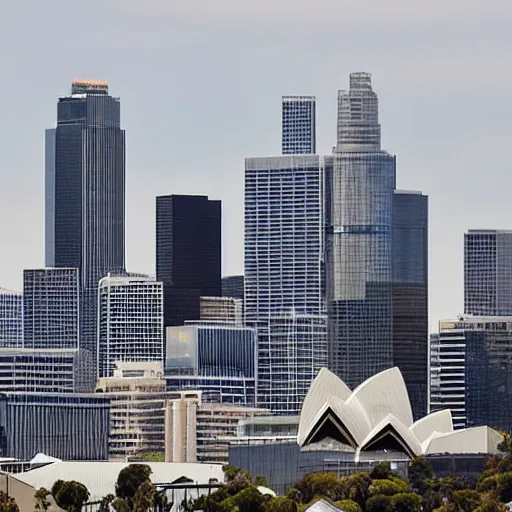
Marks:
<point>221,309</point>
<point>218,360</point>
<point>130,321</point>
<point>298,117</point>
<point>11,318</point>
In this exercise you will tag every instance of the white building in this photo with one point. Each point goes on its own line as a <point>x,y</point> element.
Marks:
<point>130,321</point>
<point>11,318</point>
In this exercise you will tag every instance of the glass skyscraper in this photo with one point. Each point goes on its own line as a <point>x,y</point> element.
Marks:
<point>488,272</point>
<point>298,125</point>
<point>359,188</point>
<point>11,318</point>
<point>284,275</point>
<point>85,201</point>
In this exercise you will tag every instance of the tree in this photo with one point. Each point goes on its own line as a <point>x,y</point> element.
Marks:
<point>152,457</point>
<point>120,505</point>
<point>237,479</point>
<point>491,504</point>
<point>380,471</point>
<point>327,485</point>
<point>466,500</point>
<point>40,497</point>
<point>504,487</point>
<point>249,500</point>
<point>348,506</point>
<point>130,479</point>
<point>388,487</point>
<point>7,503</point>
<point>378,503</point>
<point>281,504</point>
<point>420,474</point>
<point>144,497</point>
<point>70,495</point>
<point>406,502</point>
<point>357,488</point>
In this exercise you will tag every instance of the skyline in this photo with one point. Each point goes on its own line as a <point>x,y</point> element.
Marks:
<point>449,145</point>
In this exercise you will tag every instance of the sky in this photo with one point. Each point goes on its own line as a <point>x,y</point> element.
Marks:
<point>201,81</point>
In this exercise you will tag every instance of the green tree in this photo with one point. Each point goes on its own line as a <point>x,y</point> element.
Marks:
<point>380,471</point>
<point>357,488</point>
<point>120,505</point>
<point>504,486</point>
<point>144,497</point>
<point>388,487</point>
<point>7,503</point>
<point>420,474</point>
<point>327,485</point>
<point>491,504</point>
<point>378,503</point>
<point>406,502</point>
<point>70,495</point>
<point>506,445</point>
<point>249,500</point>
<point>281,504</point>
<point>152,457</point>
<point>348,506</point>
<point>237,479</point>
<point>466,500</point>
<point>40,497</point>
<point>130,479</point>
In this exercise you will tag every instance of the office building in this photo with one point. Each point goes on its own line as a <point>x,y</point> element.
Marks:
<point>218,360</point>
<point>85,201</point>
<point>471,371</point>
<point>188,254</point>
<point>37,370</point>
<point>298,125</point>
<point>11,318</point>
<point>51,308</point>
<point>488,272</point>
<point>359,191</point>
<point>284,254</point>
<point>233,286</point>
<point>410,294</point>
<point>221,309</point>
<point>130,321</point>
<point>67,426</point>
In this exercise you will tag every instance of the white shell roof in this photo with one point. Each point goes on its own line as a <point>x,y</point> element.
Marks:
<point>379,409</point>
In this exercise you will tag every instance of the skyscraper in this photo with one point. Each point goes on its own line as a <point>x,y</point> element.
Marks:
<point>284,296</point>
<point>11,318</point>
<point>410,294</point>
<point>359,218</point>
<point>188,254</point>
<point>488,272</point>
<point>85,200</point>
<point>51,308</point>
<point>298,125</point>
<point>130,321</point>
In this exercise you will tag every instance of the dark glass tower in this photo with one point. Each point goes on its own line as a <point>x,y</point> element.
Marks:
<point>188,254</point>
<point>85,201</point>
<point>410,294</point>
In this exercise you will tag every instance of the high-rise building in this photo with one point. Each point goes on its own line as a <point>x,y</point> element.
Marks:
<point>359,191</point>
<point>11,318</point>
<point>284,255</point>
<point>218,360</point>
<point>85,200</point>
<point>234,286</point>
<point>130,321</point>
<point>471,371</point>
<point>51,308</point>
<point>188,254</point>
<point>221,309</point>
<point>488,272</point>
<point>298,125</point>
<point>410,294</point>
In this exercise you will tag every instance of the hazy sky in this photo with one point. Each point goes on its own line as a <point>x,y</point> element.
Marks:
<point>201,83</point>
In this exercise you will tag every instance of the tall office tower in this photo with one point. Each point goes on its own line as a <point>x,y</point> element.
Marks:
<point>488,272</point>
<point>51,308</point>
<point>471,371</point>
<point>11,318</point>
<point>85,201</point>
<point>188,254</point>
<point>130,321</point>
<point>359,221</point>
<point>299,125</point>
<point>221,309</point>
<point>284,296</point>
<point>410,294</point>
<point>233,286</point>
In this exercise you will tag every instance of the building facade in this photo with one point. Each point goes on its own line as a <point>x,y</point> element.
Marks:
<point>359,191</point>
<point>188,254</point>
<point>130,321</point>
<point>233,286</point>
<point>488,272</point>
<point>85,201</point>
<point>298,125</point>
<point>284,275</point>
<point>471,371</point>
<point>218,360</point>
<point>63,425</point>
<point>410,294</point>
<point>11,318</point>
<point>221,309</point>
<point>51,304</point>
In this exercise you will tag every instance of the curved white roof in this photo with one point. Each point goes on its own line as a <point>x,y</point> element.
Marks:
<point>378,415</point>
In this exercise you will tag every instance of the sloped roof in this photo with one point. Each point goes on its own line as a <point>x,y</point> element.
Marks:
<point>323,506</point>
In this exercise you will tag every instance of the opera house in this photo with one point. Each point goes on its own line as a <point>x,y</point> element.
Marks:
<point>344,430</point>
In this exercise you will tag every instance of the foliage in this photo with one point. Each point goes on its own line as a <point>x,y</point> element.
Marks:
<point>327,485</point>
<point>466,500</point>
<point>388,487</point>
<point>144,497</point>
<point>406,502</point>
<point>105,503</point>
<point>378,503</point>
<point>380,471</point>
<point>130,479</point>
<point>282,504</point>
<point>70,495</point>
<point>348,506</point>
<point>491,504</point>
<point>40,497</point>
<point>504,486</point>
<point>152,457</point>
<point>120,505</point>
<point>356,487</point>
<point>420,474</point>
<point>506,445</point>
<point>7,503</point>
<point>237,479</point>
<point>249,500</point>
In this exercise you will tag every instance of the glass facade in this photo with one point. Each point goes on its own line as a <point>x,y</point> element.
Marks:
<point>11,318</point>
<point>130,321</point>
<point>85,201</point>
<point>51,308</point>
<point>284,275</point>
<point>298,125</point>
<point>488,272</point>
